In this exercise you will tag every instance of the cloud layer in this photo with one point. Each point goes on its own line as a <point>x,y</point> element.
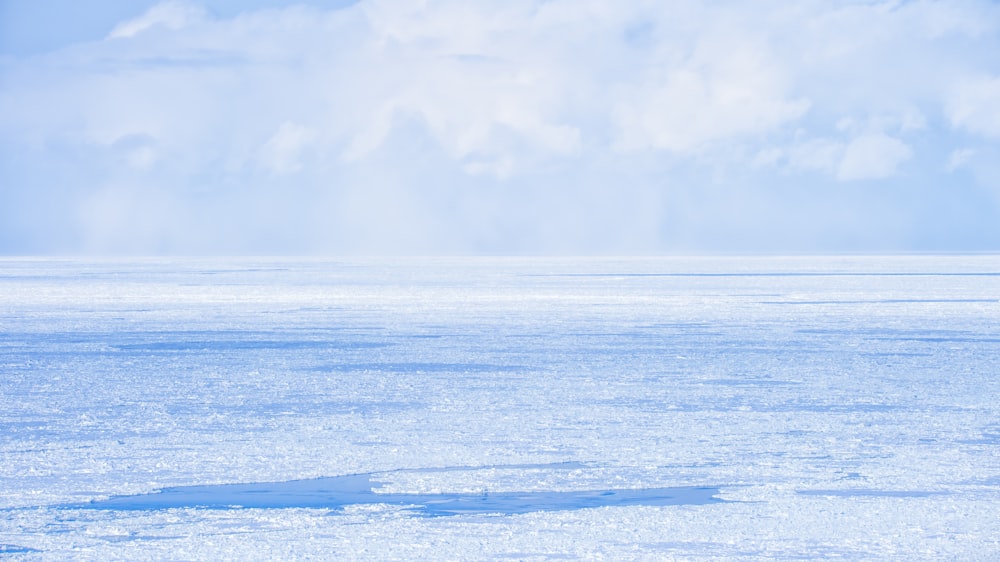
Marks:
<point>510,127</point>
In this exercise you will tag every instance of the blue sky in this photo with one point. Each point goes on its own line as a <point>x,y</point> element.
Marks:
<point>513,127</point>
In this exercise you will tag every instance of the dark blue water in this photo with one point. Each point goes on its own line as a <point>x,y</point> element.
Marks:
<point>341,491</point>
<point>15,549</point>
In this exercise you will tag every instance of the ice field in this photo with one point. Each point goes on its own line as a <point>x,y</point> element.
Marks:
<point>495,408</point>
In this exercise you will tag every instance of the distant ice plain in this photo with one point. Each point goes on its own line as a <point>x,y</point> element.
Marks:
<point>842,406</point>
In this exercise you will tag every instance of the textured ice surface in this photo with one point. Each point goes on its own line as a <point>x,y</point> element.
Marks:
<point>840,406</point>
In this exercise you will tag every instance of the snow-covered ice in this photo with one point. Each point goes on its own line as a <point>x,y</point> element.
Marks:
<point>550,408</point>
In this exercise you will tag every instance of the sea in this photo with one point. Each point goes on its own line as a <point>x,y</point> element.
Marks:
<point>530,408</point>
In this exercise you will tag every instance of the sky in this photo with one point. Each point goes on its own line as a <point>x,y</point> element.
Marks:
<point>577,127</point>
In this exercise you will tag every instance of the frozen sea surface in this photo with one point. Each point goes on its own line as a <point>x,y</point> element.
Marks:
<point>500,408</point>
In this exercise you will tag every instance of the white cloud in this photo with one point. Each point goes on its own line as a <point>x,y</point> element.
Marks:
<point>500,169</point>
<point>170,15</point>
<point>912,119</point>
<point>963,17</point>
<point>822,155</point>
<point>768,157</point>
<point>371,135</point>
<point>974,105</point>
<point>467,114</point>
<point>138,151</point>
<point>872,156</point>
<point>728,91</point>
<point>960,158</point>
<point>471,74</point>
<point>282,152</point>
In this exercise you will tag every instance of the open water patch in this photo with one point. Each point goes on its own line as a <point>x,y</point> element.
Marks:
<point>417,367</point>
<point>243,345</point>
<point>359,489</point>
<point>16,549</point>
